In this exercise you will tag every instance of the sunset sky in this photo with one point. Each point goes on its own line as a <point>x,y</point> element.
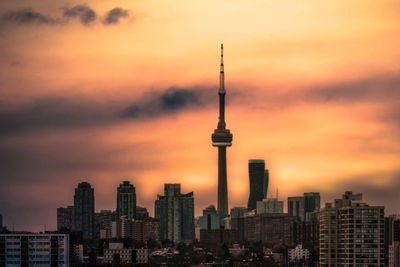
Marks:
<point>105,91</point>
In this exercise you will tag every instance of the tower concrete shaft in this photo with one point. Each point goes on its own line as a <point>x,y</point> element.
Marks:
<point>222,138</point>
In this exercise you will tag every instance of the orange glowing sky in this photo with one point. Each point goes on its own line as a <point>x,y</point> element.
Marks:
<point>313,87</point>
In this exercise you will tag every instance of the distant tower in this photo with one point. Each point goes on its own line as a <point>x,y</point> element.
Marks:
<point>84,209</point>
<point>258,178</point>
<point>222,138</point>
<point>126,200</point>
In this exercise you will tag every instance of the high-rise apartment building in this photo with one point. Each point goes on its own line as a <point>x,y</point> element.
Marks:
<point>65,218</point>
<point>175,212</point>
<point>258,178</point>
<point>126,200</point>
<point>295,207</point>
<point>84,220</point>
<point>352,233</point>
<point>31,249</point>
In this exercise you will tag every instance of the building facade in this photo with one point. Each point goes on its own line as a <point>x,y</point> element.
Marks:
<point>295,207</point>
<point>103,221</point>
<point>126,200</point>
<point>210,219</point>
<point>237,212</point>
<point>175,212</point>
<point>34,249</point>
<point>259,179</point>
<point>138,230</point>
<point>392,239</point>
<point>269,205</point>
<point>272,229</point>
<point>65,218</point>
<point>298,253</point>
<point>141,213</point>
<point>84,220</point>
<point>352,233</point>
<point>312,202</point>
<point>117,254</point>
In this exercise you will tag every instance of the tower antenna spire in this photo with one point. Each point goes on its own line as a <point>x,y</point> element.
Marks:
<point>222,73</point>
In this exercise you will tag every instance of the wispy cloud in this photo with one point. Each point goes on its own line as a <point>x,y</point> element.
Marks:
<point>28,16</point>
<point>114,15</point>
<point>169,101</point>
<point>82,12</point>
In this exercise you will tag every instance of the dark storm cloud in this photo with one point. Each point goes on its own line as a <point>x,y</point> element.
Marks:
<point>83,12</point>
<point>170,101</point>
<point>114,15</point>
<point>28,16</point>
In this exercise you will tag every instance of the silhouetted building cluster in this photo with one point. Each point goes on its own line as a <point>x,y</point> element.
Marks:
<point>347,232</point>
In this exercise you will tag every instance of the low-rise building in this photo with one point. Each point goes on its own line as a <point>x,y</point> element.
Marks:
<point>116,253</point>
<point>34,249</point>
<point>137,230</point>
<point>298,253</point>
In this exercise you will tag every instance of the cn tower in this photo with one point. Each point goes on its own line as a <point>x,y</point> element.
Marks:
<point>222,138</point>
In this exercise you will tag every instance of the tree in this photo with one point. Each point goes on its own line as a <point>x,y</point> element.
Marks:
<point>116,259</point>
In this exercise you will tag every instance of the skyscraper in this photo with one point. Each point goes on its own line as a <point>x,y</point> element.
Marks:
<point>126,200</point>
<point>258,178</point>
<point>84,209</point>
<point>175,211</point>
<point>65,218</point>
<point>222,138</point>
<point>312,202</point>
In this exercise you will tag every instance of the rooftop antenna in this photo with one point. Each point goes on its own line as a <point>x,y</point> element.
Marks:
<point>277,193</point>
